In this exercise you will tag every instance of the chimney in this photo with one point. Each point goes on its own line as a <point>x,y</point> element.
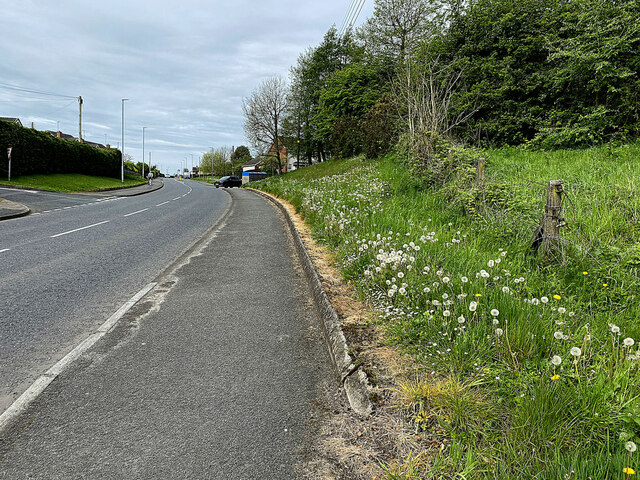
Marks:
<point>59,134</point>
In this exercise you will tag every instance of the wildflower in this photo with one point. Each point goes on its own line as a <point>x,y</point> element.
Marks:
<point>461,319</point>
<point>464,279</point>
<point>445,279</point>
<point>630,446</point>
<point>490,263</point>
<point>495,312</point>
<point>484,274</point>
<point>445,296</point>
<point>446,313</point>
<point>629,471</point>
<point>499,332</point>
<point>576,352</point>
<point>473,306</point>
<point>558,335</point>
<point>478,294</point>
<point>557,297</point>
<point>544,299</point>
<point>402,291</point>
<point>556,360</point>
<point>615,329</point>
<point>496,321</point>
<point>505,289</point>
<point>585,273</point>
<point>628,342</point>
<point>555,377</point>
<point>562,310</point>
<point>400,275</point>
<point>605,285</point>
<point>391,293</point>
<point>535,301</point>
<point>426,290</point>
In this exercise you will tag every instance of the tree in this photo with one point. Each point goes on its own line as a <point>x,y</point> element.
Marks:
<point>397,26</point>
<point>240,156</point>
<point>264,111</point>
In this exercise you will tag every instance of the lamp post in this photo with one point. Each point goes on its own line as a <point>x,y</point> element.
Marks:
<point>122,151</point>
<point>143,153</point>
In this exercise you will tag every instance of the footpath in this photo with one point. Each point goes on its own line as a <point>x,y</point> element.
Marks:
<point>217,373</point>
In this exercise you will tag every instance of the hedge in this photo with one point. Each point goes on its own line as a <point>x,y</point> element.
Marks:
<point>36,152</point>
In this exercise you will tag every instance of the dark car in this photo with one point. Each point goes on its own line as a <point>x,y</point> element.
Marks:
<point>228,182</point>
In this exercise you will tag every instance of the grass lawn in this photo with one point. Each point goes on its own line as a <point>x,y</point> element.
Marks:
<point>72,182</point>
<point>527,370</point>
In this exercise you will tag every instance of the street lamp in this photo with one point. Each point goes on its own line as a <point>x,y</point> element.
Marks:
<point>122,151</point>
<point>143,153</point>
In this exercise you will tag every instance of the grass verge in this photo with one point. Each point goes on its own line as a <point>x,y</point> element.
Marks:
<point>525,370</point>
<point>72,182</point>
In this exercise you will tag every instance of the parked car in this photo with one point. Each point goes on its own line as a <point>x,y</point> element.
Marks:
<point>228,182</point>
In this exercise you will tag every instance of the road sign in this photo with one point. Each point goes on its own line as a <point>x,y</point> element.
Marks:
<point>9,155</point>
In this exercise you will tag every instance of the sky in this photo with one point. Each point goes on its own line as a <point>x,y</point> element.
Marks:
<point>185,67</point>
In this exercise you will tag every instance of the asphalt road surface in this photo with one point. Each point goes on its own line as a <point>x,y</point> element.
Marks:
<point>218,373</point>
<point>65,270</point>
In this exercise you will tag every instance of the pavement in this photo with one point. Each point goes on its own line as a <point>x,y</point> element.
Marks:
<point>10,209</point>
<point>219,372</point>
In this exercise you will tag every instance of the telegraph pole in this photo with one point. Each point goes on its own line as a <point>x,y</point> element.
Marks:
<point>80,119</point>
<point>143,153</point>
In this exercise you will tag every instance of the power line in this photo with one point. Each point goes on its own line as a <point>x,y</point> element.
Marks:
<point>23,90</point>
<point>346,16</point>
<point>354,16</point>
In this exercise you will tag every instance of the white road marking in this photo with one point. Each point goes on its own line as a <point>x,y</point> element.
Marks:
<point>78,229</point>
<point>37,387</point>
<point>4,250</point>
<point>139,211</point>
<point>177,198</point>
<point>163,203</point>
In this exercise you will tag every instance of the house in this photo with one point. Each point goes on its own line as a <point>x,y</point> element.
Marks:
<point>252,166</point>
<point>59,134</point>
<point>12,120</point>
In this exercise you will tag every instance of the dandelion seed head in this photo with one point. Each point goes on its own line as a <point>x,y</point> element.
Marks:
<point>499,332</point>
<point>495,312</point>
<point>558,335</point>
<point>630,446</point>
<point>544,299</point>
<point>556,360</point>
<point>576,352</point>
<point>628,342</point>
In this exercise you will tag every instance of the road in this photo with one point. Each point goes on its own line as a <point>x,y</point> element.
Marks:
<point>66,269</point>
<point>220,372</point>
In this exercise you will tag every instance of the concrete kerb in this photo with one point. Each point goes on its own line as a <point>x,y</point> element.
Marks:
<point>350,374</point>
<point>9,209</point>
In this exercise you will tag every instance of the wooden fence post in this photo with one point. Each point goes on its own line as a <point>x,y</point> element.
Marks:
<point>480,171</point>
<point>551,223</point>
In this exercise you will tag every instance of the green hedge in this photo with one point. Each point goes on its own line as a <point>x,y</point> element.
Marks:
<point>36,152</point>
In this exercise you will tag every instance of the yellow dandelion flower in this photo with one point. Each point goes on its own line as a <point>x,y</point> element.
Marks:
<point>585,273</point>
<point>478,294</point>
<point>629,471</point>
<point>605,284</point>
<point>557,297</point>
<point>555,377</point>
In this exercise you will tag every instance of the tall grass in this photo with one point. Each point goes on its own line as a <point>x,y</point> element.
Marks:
<point>529,371</point>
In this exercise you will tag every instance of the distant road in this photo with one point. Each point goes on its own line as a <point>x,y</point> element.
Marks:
<point>65,270</point>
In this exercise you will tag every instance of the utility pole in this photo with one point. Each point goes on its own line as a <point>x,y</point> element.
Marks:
<point>143,153</point>
<point>122,151</point>
<point>80,119</point>
<point>233,154</point>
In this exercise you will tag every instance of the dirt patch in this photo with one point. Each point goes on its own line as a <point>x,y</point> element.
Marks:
<point>349,446</point>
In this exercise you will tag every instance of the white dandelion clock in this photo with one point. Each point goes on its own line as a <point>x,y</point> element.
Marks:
<point>576,352</point>
<point>556,360</point>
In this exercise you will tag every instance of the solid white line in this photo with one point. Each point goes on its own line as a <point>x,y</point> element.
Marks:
<point>21,404</point>
<point>163,203</point>
<point>139,211</point>
<point>5,250</point>
<point>37,387</point>
<point>78,229</point>
<point>111,321</point>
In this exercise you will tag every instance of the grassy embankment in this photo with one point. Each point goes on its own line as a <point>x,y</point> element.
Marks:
<point>527,371</point>
<point>72,182</point>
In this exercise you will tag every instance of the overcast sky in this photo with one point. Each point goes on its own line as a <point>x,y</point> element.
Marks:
<point>185,66</point>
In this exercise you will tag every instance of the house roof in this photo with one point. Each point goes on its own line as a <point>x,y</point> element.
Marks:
<point>66,136</point>
<point>12,120</point>
<point>253,162</point>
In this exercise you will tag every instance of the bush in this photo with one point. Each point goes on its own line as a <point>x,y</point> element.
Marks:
<point>36,152</point>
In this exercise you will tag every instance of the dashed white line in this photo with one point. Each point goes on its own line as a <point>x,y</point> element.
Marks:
<point>177,198</point>
<point>139,211</point>
<point>4,250</point>
<point>163,203</point>
<point>78,229</point>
